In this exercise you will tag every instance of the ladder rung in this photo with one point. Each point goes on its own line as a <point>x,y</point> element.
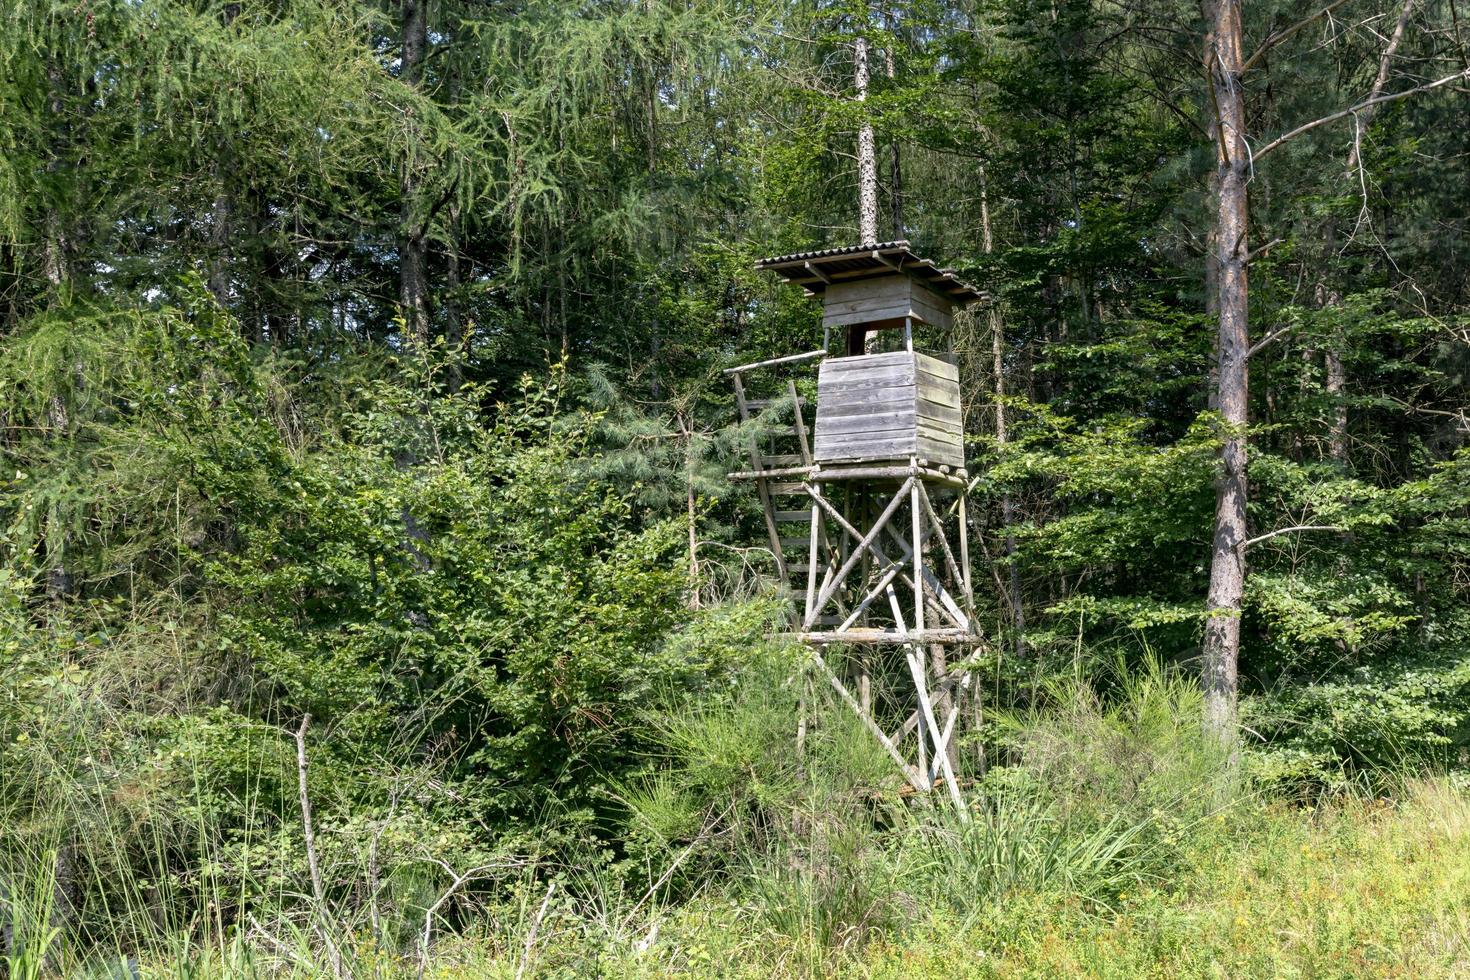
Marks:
<point>791,516</point>
<point>775,487</point>
<point>795,543</point>
<point>776,462</point>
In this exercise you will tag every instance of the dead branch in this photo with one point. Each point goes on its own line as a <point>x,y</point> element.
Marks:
<point>535,928</point>
<point>1259,251</point>
<point>308,833</point>
<point>1276,37</point>
<point>1289,530</point>
<point>458,881</point>
<point>1365,104</point>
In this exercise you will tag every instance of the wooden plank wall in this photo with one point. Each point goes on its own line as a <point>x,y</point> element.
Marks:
<point>888,407</point>
<point>937,408</point>
<point>883,299</point>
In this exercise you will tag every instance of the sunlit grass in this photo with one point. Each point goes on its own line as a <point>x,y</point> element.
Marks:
<point>1356,888</point>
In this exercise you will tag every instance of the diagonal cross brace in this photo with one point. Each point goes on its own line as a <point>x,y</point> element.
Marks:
<point>864,544</point>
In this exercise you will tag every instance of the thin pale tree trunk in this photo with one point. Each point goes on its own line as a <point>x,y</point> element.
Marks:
<point>1336,374</point>
<point>1222,63</point>
<point>895,162</point>
<point>997,355</point>
<point>867,150</point>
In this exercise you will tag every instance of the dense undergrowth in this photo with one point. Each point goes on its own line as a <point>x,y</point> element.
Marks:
<point>363,454</point>
<point>535,738</point>
<point>1111,846</point>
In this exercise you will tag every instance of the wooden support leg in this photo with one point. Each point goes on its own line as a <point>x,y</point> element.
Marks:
<point>921,684</point>
<point>914,776</point>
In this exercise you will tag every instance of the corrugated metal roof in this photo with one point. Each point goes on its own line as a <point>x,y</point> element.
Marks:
<point>814,271</point>
<point>898,246</point>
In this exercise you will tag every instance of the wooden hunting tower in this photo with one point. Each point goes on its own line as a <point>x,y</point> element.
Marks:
<point>879,481</point>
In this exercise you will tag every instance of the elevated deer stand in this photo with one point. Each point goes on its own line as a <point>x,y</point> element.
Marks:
<point>879,484</point>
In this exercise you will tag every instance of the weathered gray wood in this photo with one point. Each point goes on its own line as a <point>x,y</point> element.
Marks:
<point>848,383</point>
<point>886,637</point>
<point>857,553</point>
<point>881,588</point>
<point>965,552</point>
<point>921,684</point>
<point>936,389</point>
<point>840,471</point>
<point>949,413</point>
<point>868,454</point>
<point>814,542</point>
<point>954,568</point>
<point>918,555</point>
<point>788,359</point>
<point>861,445</point>
<point>930,429</point>
<point>879,424</point>
<point>771,475</point>
<point>943,451</point>
<point>903,403</point>
<point>881,298</point>
<point>945,602</point>
<point>897,374</point>
<point>865,449</point>
<point>767,511</point>
<point>874,401</point>
<point>869,288</point>
<point>909,772</point>
<point>938,366</point>
<point>939,452</point>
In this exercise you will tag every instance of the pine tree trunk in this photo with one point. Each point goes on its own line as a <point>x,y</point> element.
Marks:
<point>1222,62</point>
<point>413,244</point>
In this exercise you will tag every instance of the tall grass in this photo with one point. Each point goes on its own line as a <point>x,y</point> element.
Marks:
<point>1108,821</point>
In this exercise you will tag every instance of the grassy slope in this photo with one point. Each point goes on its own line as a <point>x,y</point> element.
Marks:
<point>1358,888</point>
<point>1355,889</point>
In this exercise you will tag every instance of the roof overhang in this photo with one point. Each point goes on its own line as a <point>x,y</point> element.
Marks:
<point>815,271</point>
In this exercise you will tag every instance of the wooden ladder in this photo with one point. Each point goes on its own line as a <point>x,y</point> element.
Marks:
<point>780,476</point>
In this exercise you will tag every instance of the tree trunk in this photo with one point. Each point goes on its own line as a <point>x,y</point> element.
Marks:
<point>895,163</point>
<point>1007,505</point>
<point>867,151</point>
<point>1336,374</point>
<point>219,242</point>
<point>1222,63</point>
<point>413,244</point>
<point>454,314</point>
<point>56,246</point>
<point>1336,381</point>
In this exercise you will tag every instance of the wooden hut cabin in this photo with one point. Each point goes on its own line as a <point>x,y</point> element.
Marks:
<point>891,406</point>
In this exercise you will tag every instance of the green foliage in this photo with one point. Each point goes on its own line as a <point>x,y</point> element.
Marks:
<point>502,569</point>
